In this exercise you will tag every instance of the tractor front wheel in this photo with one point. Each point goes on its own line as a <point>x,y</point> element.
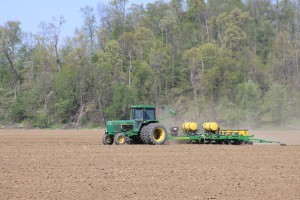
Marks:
<point>107,139</point>
<point>120,139</point>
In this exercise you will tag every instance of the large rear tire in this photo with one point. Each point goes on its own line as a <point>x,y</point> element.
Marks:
<point>158,134</point>
<point>153,134</point>
<point>107,139</point>
<point>144,134</point>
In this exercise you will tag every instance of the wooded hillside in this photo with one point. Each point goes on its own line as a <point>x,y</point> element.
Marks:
<point>232,61</point>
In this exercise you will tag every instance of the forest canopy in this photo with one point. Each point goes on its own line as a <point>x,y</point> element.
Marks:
<point>232,61</point>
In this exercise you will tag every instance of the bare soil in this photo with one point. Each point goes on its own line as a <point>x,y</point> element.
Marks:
<point>73,164</point>
<point>286,137</point>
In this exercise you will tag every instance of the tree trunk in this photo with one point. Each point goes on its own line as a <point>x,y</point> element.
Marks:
<point>129,71</point>
<point>15,74</point>
<point>207,30</point>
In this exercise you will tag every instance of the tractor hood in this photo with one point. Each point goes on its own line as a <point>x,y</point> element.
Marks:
<point>118,126</point>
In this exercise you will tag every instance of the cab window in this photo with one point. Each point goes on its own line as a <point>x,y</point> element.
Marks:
<point>137,114</point>
<point>149,114</point>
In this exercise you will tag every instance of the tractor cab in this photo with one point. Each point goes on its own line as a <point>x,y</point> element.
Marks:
<point>142,113</point>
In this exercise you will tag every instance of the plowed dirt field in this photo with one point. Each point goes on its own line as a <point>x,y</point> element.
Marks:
<point>73,164</point>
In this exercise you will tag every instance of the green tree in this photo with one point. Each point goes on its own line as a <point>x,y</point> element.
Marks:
<point>284,60</point>
<point>65,91</point>
<point>122,98</point>
<point>154,13</point>
<point>233,28</point>
<point>248,100</point>
<point>89,25</point>
<point>193,59</point>
<point>118,11</point>
<point>276,109</point>
<point>51,35</point>
<point>102,77</point>
<point>18,111</point>
<point>144,39</point>
<point>159,60</point>
<point>10,39</point>
<point>135,16</point>
<point>198,18</point>
<point>143,82</point>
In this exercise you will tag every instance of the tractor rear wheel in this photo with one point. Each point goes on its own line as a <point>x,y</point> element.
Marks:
<point>107,139</point>
<point>153,134</point>
<point>158,134</point>
<point>120,139</point>
<point>144,135</point>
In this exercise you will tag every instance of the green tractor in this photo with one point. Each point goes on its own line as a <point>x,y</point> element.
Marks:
<point>141,128</point>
